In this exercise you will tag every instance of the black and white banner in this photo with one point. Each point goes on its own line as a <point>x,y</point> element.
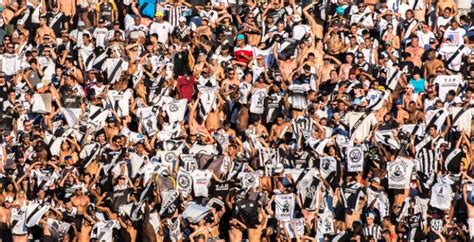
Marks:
<point>387,137</point>
<point>207,101</point>
<point>148,119</point>
<point>190,162</point>
<point>89,152</point>
<point>119,100</point>
<point>249,179</point>
<point>41,103</point>
<point>34,213</point>
<point>399,173</point>
<point>170,201</point>
<point>284,207</point>
<point>453,161</point>
<point>58,229</point>
<point>258,100</point>
<point>72,115</point>
<point>327,165</point>
<point>295,228</point>
<point>184,182</point>
<point>355,159</point>
<point>96,117</point>
<point>176,110</point>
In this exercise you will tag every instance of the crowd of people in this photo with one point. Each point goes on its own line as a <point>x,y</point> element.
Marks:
<point>257,120</point>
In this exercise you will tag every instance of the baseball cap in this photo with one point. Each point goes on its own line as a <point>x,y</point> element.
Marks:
<point>356,101</point>
<point>39,86</point>
<point>432,41</point>
<point>429,90</point>
<point>360,55</point>
<point>240,37</point>
<point>81,24</point>
<point>116,22</point>
<point>20,22</point>
<point>340,10</point>
<point>399,101</point>
<point>101,21</point>
<point>159,14</point>
<point>182,19</point>
<point>9,199</point>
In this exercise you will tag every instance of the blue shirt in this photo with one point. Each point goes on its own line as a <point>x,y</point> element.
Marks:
<point>418,85</point>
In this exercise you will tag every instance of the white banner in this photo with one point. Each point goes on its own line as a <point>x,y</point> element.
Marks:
<point>285,207</point>
<point>355,159</point>
<point>399,173</point>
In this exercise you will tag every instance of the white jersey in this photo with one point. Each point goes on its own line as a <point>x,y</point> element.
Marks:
<point>103,230</point>
<point>120,101</point>
<point>201,180</point>
<point>18,218</point>
<point>441,195</point>
<point>258,100</point>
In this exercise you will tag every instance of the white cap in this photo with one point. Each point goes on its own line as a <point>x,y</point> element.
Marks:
<point>182,19</point>
<point>9,199</point>
<point>39,85</point>
<point>20,22</point>
<point>81,24</point>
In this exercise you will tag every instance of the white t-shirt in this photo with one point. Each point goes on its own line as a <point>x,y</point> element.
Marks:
<point>201,180</point>
<point>446,83</point>
<point>103,230</point>
<point>446,51</point>
<point>424,38</point>
<point>100,35</point>
<point>364,128</point>
<point>163,30</point>
<point>456,36</point>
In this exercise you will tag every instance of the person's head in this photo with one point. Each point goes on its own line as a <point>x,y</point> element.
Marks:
<point>370,219</point>
<point>454,24</point>
<point>409,14</point>
<point>414,41</point>
<point>240,40</point>
<point>43,21</point>
<point>121,180</point>
<point>447,12</point>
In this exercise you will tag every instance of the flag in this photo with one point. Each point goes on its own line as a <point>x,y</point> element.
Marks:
<point>355,159</point>
<point>41,103</point>
<point>72,115</point>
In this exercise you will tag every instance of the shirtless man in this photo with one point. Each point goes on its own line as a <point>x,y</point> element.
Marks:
<point>5,220</point>
<point>213,121</point>
<point>68,7</point>
<point>287,65</point>
<point>255,234</point>
<point>80,201</point>
<point>432,64</point>
<point>402,115</point>
<point>346,67</point>
<point>43,30</point>
<point>442,4</point>
<point>324,74</point>
<point>279,129</point>
<point>416,51</point>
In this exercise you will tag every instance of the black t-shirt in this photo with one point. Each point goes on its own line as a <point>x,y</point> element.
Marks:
<point>71,101</point>
<point>181,65</point>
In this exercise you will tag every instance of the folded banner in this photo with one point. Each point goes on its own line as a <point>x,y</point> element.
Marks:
<point>72,115</point>
<point>195,212</point>
<point>355,159</point>
<point>58,229</point>
<point>170,201</point>
<point>41,103</point>
<point>89,152</point>
<point>34,213</point>
<point>213,163</point>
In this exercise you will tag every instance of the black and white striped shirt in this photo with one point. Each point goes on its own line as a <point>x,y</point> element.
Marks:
<point>375,231</point>
<point>174,13</point>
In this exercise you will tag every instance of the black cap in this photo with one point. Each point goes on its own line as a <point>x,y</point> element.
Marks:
<point>101,21</point>
<point>116,22</point>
